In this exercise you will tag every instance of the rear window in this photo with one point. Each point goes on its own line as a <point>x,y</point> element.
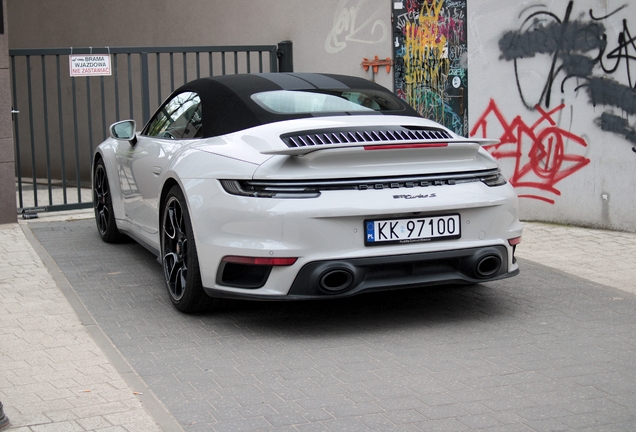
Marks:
<point>326,101</point>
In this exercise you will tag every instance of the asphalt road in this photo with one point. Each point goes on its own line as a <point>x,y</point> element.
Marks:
<point>542,351</point>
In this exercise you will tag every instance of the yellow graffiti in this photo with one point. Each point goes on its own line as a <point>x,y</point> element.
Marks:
<point>426,60</point>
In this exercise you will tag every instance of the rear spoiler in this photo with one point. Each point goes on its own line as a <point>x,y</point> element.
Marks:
<point>381,145</point>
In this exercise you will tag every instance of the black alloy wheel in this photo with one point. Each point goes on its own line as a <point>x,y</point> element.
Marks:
<point>179,257</point>
<point>103,204</point>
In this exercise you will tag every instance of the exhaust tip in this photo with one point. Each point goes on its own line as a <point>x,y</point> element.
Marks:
<point>488,266</point>
<point>335,280</point>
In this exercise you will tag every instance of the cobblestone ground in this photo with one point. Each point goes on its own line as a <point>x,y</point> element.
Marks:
<point>53,377</point>
<point>605,257</point>
<point>542,351</point>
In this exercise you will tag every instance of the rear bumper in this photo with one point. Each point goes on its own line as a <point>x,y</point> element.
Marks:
<point>348,277</point>
<point>326,232</point>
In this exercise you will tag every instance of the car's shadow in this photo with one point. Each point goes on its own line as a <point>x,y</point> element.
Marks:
<point>398,309</point>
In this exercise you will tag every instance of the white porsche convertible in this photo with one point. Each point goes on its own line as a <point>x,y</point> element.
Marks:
<point>302,186</point>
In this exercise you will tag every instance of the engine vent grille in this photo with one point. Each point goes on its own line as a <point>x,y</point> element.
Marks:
<point>364,135</point>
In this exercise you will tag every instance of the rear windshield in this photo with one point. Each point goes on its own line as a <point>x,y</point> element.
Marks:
<point>325,101</point>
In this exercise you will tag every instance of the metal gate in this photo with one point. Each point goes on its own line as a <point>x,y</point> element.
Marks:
<point>59,119</point>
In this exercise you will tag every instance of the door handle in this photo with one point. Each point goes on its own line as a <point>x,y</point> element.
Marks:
<point>156,170</point>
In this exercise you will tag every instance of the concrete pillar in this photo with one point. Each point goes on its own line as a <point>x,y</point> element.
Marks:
<point>7,162</point>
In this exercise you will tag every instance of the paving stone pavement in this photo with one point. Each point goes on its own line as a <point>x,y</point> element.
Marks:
<point>53,377</point>
<point>605,257</point>
<point>543,351</point>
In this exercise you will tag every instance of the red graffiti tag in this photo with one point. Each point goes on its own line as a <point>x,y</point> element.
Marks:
<point>538,150</point>
<point>412,6</point>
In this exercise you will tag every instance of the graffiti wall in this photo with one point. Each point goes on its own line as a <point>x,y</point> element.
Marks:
<point>554,80</point>
<point>556,84</point>
<point>430,60</point>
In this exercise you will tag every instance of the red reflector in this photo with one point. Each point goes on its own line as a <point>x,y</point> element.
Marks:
<point>404,146</point>
<point>260,260</point>
<point>514,241</point>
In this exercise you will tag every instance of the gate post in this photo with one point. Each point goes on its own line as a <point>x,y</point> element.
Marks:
<point>285,57</point>
<point>7,158</point>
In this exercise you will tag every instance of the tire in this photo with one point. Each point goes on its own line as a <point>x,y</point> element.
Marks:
<point>103,205</point>
<point>179,257</point>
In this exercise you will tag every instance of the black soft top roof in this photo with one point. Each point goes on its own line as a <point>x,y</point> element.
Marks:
<point>227,105</point>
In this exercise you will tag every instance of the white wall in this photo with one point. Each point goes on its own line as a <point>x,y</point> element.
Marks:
<point>589,178</point>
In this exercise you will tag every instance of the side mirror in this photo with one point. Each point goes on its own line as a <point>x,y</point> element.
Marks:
<point>124,130</point>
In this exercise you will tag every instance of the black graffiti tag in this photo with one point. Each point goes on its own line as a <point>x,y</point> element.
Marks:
<point>576,48</point>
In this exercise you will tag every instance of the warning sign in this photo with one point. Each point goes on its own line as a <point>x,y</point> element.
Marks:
<point>89,65</point>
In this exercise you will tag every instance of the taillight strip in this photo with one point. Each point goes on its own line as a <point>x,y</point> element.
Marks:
<point>404,146</point>
<point>259,260</point>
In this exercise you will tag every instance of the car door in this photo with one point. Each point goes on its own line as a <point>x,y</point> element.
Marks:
<point>141,165</point>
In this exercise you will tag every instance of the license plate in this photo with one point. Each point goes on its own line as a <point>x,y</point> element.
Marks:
<point>415,230</point>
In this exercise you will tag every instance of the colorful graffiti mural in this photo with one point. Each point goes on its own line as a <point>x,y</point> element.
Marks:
<point>538,150</point>
<point>430,71</point>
